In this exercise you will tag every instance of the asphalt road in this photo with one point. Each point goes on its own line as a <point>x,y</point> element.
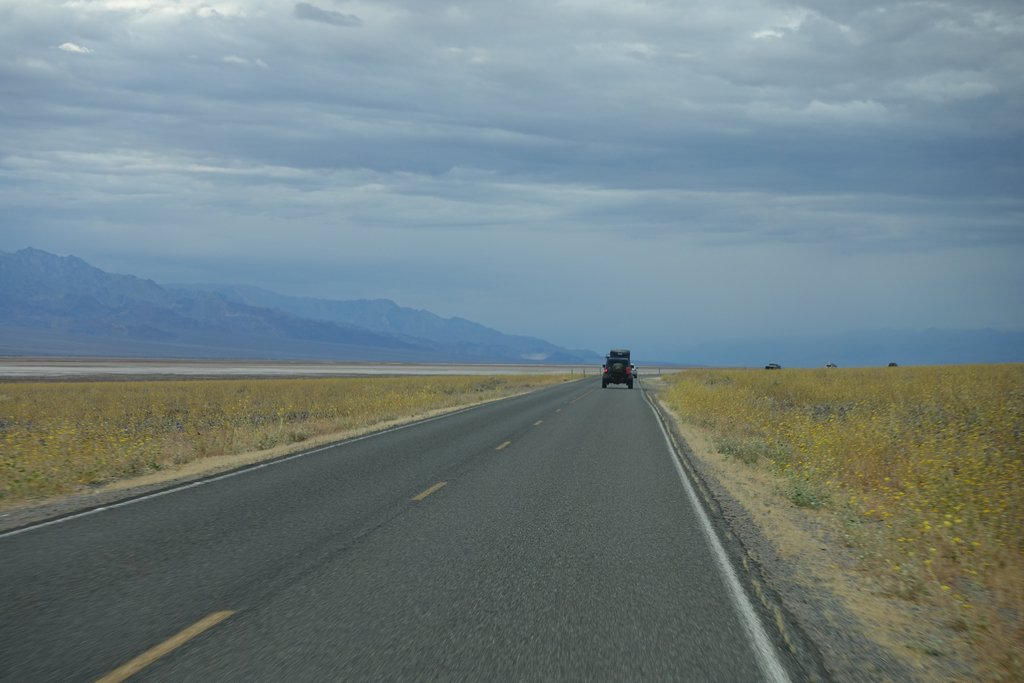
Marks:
<point>562,546</point>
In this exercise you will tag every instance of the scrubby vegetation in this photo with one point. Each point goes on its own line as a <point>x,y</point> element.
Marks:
<point>924,464</point>
<point>56,437</point>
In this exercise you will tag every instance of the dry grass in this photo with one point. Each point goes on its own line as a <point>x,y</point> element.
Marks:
<point>57,437</point>
<point>925,465</point>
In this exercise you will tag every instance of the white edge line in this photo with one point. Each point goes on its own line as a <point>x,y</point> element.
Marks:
<point>242,470</point>
<point>763,649</point>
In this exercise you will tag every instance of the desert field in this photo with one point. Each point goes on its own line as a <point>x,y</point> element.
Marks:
<point>922,468</point>
<point>61,437</point>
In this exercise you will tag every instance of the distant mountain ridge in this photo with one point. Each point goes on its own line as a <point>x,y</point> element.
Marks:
<point>385,316</point>
<point>64,300</point>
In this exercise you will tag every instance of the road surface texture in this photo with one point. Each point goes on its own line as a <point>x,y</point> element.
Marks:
<point>547,537</point>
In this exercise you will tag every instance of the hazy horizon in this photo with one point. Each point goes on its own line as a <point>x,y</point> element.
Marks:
<point>66,307</point>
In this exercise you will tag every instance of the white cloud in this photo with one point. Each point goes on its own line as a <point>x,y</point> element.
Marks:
<point>784,24</point>
<point>71,47</point>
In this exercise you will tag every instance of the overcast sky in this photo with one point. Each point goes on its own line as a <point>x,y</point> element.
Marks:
<point>597,174</point>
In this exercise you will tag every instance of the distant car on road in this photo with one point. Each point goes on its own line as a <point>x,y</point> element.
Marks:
<point>617,369</point>
<point>831,365</point>
<point>773,366</point>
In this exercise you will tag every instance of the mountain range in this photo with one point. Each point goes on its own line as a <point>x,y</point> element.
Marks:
<point>61,305</point>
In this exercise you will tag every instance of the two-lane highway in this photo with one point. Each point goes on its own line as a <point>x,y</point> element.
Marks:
<point>545,537</point>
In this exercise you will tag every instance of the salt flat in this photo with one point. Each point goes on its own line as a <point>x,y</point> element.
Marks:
<point>25,368</point>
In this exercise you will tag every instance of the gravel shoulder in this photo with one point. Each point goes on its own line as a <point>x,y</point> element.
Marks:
<point>859,633</point>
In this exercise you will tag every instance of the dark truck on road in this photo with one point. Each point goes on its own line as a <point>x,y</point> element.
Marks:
<point>617,369</point>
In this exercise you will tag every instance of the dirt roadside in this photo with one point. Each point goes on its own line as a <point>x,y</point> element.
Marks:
<point>860,633</point>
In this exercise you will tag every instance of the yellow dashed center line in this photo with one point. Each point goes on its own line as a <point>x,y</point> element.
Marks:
<point>559,410</point>
<point>537,422</point>
<point>579,397</point>
<point>429,491</point>
<point>150,656</point>
<point>502,445</point>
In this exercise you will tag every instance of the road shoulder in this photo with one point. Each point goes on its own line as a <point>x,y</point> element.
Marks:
<point>859,633</point>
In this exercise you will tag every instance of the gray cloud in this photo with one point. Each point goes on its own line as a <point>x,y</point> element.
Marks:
<point>304,10</point>
<point>481,159</point>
